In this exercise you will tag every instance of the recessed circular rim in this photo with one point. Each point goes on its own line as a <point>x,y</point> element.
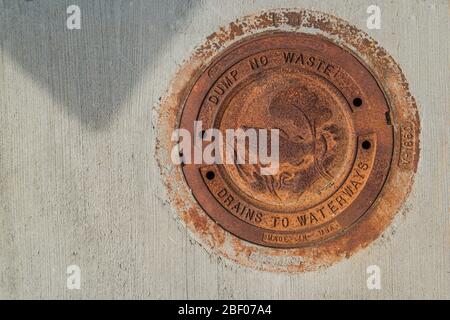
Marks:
<point>403,116</point>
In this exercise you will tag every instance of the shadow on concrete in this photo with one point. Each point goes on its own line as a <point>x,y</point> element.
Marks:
<point>91,71</point>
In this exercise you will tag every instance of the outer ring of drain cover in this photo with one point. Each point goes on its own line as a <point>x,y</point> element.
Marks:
<point>370,96</point>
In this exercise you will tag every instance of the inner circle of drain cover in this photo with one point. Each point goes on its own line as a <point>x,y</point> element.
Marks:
<point>335,142</point>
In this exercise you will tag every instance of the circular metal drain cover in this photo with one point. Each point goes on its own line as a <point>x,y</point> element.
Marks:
<point>335,144</point>
<point>348,140</point>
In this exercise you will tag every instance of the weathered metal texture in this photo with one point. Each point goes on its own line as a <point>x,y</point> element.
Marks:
<point>335,140</point>
<point>348,174</point>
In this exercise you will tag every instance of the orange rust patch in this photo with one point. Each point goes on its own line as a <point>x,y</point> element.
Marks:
<point>403,117</point>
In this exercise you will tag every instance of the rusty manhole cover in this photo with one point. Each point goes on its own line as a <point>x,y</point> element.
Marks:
<point>335,148</point>
<point>348,140</point>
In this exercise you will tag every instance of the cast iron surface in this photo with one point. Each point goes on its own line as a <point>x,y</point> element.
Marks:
<point>336,143</point>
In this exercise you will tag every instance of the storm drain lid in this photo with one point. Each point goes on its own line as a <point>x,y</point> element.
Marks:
<point>335,139</point>
<point>348,140</point>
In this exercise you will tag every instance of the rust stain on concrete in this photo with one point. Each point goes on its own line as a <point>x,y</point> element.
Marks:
<point>397,144</point>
